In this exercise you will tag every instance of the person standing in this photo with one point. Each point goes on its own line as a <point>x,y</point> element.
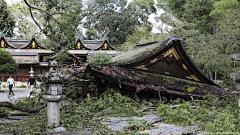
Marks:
<point>11,82</point>
<point>32,83</point>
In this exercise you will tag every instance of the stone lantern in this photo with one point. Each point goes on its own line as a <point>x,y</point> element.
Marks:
<point>0,85</point>
<point>237,91</point>
<point>53,81</point>
<point>31,72</point>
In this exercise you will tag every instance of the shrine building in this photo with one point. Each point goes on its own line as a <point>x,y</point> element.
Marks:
<point>28,54</point>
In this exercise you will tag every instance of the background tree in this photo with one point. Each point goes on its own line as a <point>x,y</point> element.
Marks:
<point>222,45</point>
<point>117,18</point>
<point>7,64</point>
<point>24,27</point>
<point>220,7</point>
<point>99,59</point>
<point>211,30</point>
<point>6,18</point>
<point>191,11</point>
<point>57,19</point>
<point>140,35</point>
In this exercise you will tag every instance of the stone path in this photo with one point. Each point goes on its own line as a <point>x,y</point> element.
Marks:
<point>19,92</point>
<point>117,124</point>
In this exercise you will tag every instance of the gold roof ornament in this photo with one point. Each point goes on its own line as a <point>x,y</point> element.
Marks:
<point>2,43</point>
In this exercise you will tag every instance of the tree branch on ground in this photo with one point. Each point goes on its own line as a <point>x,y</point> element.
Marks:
<point>20,108</point>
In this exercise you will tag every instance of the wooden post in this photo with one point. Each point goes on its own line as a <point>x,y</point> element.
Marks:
<point>159,95</point>
<point>96,92</point>
<point>239,101</point>
<point>136,97</point>
<point>88,96</point>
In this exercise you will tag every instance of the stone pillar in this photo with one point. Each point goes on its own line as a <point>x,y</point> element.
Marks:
<point>53,113</point>
<point>53,110</point>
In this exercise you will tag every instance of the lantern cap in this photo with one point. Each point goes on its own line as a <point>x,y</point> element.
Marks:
<point>53,76</point>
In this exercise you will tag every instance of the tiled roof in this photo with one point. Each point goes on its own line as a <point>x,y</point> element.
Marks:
<point>26,59</point>
<point>16,53</point>
<point>40,51</point>
<point>139,52</point>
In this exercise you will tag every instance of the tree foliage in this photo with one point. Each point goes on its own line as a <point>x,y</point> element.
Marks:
<point>211,30</point>
<point>57,19</point>
<point>117,18</point>
<point>99,59</point>
<point>220,7</point>
<point>24,27</point>
<point>140,35</point>
<point>6,18</point>
<point>7,64</point>
<point>192,11</point>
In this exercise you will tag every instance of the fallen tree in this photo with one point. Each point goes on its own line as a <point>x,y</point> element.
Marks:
<point>20,108</point>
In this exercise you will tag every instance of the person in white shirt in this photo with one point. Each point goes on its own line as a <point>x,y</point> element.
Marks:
<point>11,82</point>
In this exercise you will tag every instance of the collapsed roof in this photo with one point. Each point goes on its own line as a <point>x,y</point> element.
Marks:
<point>162,66</point>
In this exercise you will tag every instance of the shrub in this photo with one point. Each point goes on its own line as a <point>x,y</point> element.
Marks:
<point>8,64</point>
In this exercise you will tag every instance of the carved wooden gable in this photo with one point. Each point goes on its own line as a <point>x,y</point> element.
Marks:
<point>172,61</point>
<point>33,45</point>
<point>4,44</point>
<point>79,46</point>
<point>75,59</point>
<point>105,46</point>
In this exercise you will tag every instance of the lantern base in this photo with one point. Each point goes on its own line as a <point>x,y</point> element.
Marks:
<point>57,130</point>
<point>52,98</point>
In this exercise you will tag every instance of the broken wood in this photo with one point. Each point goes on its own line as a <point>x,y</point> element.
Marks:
<point>203,102</point>
<point>20,108</point>
<point>143,108</point>
<point>156,121</point>
<point>32,92</point>
<point>138,104</point>
<point>194,107</point>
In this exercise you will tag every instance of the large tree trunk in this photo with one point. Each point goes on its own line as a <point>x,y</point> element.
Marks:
<point>20,108</point>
